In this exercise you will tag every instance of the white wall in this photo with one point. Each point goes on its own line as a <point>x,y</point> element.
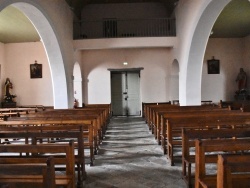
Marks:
<point>29,91</point>
<point>222,86</point>
<point>15,60</point>
<point>2,63</point>
<point>154,78</point>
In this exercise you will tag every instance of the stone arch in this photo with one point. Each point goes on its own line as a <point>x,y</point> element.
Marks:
<point>44,28</point>
<point>174,81</point>
<point>197,50</point>
<point>77,84</point>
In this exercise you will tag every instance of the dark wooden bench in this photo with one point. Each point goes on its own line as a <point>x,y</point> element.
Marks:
<point>148,111</point>
<point>38,154</point>
<point>100,113</point>
<point>25,171</point>
<point>52,134</point>
<point>188,141</point>
<point>202,149</point>
<point>95,119</point>
<point>154,112</point>
<point>233,171</point>
<point>54,122</point>
<point>171,127</point>
<point>146,104</point>
<point>157,113</point>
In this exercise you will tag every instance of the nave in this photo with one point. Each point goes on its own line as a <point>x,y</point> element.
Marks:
<point>129,157</point>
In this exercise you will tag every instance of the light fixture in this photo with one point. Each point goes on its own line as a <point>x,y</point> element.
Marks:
<point>125,63</point>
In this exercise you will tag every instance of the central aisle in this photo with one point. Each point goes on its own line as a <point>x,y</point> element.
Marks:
<point>129,157</point>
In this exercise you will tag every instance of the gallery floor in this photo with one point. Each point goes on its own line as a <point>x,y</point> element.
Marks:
<point>129,157</point>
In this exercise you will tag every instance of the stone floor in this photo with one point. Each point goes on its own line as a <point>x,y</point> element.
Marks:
<point>129,157</point>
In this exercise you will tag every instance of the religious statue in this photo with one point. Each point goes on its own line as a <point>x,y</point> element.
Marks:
<point>8,97</point>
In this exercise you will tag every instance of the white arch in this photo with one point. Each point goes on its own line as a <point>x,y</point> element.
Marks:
<point>77,84</point>
<point>51,45</point>
<point>190,87</point>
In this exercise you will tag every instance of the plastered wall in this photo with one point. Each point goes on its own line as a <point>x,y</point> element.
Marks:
<point>2,63</point>
<point>231,54</point>
<point>18,57</point>
<point>154,77</point>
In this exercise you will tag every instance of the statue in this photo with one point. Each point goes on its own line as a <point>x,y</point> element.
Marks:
<point>8,97</point>
<point>242,81</point>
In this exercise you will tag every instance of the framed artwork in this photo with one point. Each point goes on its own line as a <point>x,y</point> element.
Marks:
<point>213,66</point>
<point>36,70</point>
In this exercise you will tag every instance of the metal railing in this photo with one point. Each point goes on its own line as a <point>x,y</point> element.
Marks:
<point>119,28</point>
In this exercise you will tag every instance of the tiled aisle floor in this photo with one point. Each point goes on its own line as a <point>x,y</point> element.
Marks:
<point>129,157</point>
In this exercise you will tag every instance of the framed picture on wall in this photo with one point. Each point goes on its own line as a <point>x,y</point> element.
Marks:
<point>36,70</point>
<point>213,66</point>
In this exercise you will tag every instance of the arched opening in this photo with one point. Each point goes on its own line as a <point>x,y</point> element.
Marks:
<point>77,84</point>
<point>51,46</point>
<point>174,81</point>
<point>197,50</point>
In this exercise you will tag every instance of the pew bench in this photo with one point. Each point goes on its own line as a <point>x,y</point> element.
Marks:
<point>171,127</point>
<point>203,147</point>
<point>96,123</point>
<point>53,134</point>
<point>68,159</point>
<point>188,140</point>
<point>233,171</point>
<point>178,111</point>
<point>43,123</point>
<point>101,116</point>
<point>25,171</point>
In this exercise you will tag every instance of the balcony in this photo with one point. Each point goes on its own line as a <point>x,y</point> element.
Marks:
<point>121,28</point>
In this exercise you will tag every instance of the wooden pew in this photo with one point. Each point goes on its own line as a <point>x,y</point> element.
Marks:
<point>25,171</point>
<point>96,122</point>
<point>107,107</point>
<point>36,134</point>
<point>15,112</point>
<point>107,112</point>
<point>67,150</point>
<point>149,112</point>
<point>55,123</point>
<point>95,117</point>
<point>146,104</point>
<point>171,127</point>
<point>201,158</point>
<point>233,171</point>
<point>101,114</point>
<point>158,112</point>
<point>189,136</point>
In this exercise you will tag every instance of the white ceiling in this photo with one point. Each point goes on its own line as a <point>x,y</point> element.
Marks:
<point>234,22</point>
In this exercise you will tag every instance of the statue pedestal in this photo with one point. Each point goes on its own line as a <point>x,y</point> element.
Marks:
<point>8,104</point>
<point>241,97</point>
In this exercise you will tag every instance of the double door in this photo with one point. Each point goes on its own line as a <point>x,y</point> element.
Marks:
<point>125,93</point>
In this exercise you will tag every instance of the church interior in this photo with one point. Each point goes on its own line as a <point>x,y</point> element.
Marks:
<point>137,86</point>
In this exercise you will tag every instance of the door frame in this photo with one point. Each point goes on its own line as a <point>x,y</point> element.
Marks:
<point>126,70</point>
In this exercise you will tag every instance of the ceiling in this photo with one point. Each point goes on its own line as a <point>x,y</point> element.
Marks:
<point>233,22</point>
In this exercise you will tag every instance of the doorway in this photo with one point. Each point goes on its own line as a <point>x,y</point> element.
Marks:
<point>125,93</point>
